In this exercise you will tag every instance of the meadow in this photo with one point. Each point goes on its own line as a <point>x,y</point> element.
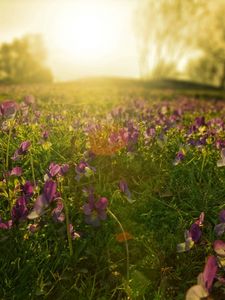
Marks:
<point>111,191</point>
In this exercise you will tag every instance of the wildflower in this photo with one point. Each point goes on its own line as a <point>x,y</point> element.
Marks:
<point>19,210</point>
<point>17,171</point>
<point>124,188</point>
<point>45,134</point>
<point>57,214</point>
<point>83,169</point>
<point>179,157</point>
<point>192,235</point>
<point>205,281</point>
<point>27,189</point>
<point>8,109</point>
<point>6,225</point>
<point>22,150</point>
<point>55,170</point>
<point>95,211</point>
<point>43,201</point>
<point>220,228</point>
<point>74,234</point>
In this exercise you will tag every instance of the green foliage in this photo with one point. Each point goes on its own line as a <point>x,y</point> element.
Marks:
<point>22,61</point>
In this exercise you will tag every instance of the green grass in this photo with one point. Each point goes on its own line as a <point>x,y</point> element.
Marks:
<point>166,198</point>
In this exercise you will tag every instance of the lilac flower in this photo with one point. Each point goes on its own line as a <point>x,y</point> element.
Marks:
<point>74,234</point>
<point>57,213</point>
<point>19,210</point>
<point>56,169</point>
<point>209,273</point>
<point>179,157</point>
<point>22,150</point>
<point>195,232</point>
<point>205,281</point>
<point>199,121</point>
<point>64,169</point>
<point>220,228</point>
<point>95,211</point>
<point>83,169</point>
<point>6,225</point>
<point>8,109</point>
<point>219,248</point>
<point>44,200</point>
<point>124,188</point>
<point>192,235</point>
<point>17,171</point>
<point>45,134</point>
<point>27,189</point>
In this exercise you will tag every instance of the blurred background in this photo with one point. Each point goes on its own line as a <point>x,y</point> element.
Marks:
<point>46,40</point>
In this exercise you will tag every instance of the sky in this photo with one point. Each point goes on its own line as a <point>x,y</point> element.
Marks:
<point>82,37</point>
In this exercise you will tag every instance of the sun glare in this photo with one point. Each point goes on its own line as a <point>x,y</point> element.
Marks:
<point>86,33</point>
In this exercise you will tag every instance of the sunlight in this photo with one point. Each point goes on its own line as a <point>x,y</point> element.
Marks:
<point>86,32</point>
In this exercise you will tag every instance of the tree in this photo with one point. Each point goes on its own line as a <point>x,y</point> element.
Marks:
<point>164,30</point>
<point>23,61</point>
<point>211,42</point>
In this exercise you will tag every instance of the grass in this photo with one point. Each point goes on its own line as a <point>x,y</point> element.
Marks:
<point>165,198</point>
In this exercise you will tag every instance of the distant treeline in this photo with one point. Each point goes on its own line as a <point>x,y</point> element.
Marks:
<point>182,39</point>
<point>23,61</point>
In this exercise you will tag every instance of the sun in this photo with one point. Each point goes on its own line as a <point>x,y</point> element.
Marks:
<point>86,32</point>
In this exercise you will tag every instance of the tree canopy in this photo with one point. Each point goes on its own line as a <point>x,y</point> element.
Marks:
<point>23,61</point>
<point>171,33</point>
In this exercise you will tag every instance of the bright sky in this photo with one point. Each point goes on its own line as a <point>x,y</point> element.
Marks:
<point>83,37</point>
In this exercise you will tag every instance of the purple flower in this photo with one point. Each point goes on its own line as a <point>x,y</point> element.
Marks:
<point>27,189</point>
<point>179,157</point>
<point>64,169</point>
<point>192,235</point>
<point>19,210</point>
<point>209,273</point>
<point>45,134</point>
<point>22,150</point>
<point>6,225</point>
<point>95,211</point>
<point>50,190</point>
<point>57,213</point>
<point>199,121</point>
<point>8,109</point>
<point>83,169</point>
<point>219,248</point>
<point>17,171</point>
<point>124,188</point>
<point>195,232</point>
<point>44,200</point>
<point>220,228</point>
<point>54,169</point>
<point>74,234</point>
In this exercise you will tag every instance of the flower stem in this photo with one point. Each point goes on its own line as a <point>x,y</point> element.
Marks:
<point>125,240</point>
<point>68,228</point>
<point>7,149</point>
<point>32,168</point>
